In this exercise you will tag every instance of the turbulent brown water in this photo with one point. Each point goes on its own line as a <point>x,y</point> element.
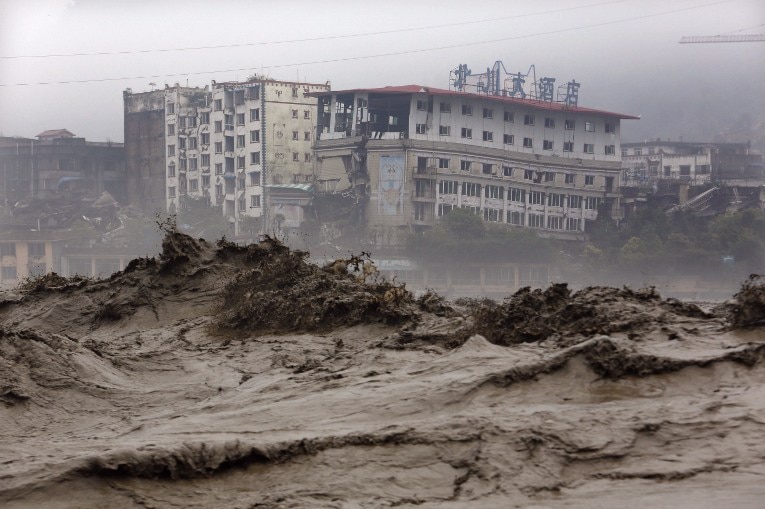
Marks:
<point>223,376</point>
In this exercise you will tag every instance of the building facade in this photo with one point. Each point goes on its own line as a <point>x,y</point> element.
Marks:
<point>221,145</point>
<point>57,161</point>
<point>414,153</point>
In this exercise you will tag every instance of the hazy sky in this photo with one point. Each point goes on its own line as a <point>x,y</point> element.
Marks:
<point>624,64</point>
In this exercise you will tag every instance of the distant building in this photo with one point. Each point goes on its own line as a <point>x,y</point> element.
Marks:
<point>57,162</point>
<point>220,145</point>
<point>411,154</point>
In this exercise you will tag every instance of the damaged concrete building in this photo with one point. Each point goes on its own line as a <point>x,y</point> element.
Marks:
<point>220,146</point>
<point>410,154</point>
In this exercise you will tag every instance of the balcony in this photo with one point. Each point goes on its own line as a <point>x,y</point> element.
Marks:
<point>424,173</point>
<point>424,195</point>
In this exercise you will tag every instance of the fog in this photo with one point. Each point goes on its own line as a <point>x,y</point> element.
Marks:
<point>625,54</point>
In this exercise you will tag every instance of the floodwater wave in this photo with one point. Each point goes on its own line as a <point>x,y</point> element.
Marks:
<point>218,375</point>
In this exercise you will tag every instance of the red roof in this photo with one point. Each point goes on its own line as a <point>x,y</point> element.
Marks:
<point>530,103</point>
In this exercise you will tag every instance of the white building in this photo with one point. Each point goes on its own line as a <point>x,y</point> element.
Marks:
<point>224,143</point>
<point>414,153</point>
<point>645,163</point>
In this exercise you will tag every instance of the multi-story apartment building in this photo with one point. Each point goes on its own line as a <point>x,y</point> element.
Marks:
<point>225,144</point>
<point>414,153</point>
<point>692,163</point>
<point>59,161</point>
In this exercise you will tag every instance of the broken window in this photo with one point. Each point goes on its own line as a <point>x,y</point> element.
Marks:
<point>516,195</point>
<point>610,150</point>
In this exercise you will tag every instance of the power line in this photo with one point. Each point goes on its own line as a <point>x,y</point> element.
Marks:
<point>311,39</point>
<point>379,55</point>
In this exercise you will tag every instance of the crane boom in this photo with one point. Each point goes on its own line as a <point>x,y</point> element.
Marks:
<point>722,38</point>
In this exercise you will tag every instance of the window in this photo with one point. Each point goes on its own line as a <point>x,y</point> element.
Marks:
<point>589,180</point>
<point>191,121</point>
<point>515,218</point>
<point>467,109</point>
<point>555,199</point>
<point>536,220</point>
<point>7,249</point>
<point>572,224</point>
<point>204,117</point>
<point>467,133</point>
<point>307,157</point>
<point>569,125</point>
<point>254,157</point>
<point>183,163</point>
<point>568,146</point>
<point>702,169</point>
<point>8,273</point>
<point>443,163</point>
<point>35,249</point>
<point>496,192</point>
<point>610,128</point>
<point>254,178</point>
<point>610,150</point>
<point>570,178</point>
<point>422,105</point>
<point>464,165</point>
<point>549,176</point>
<point>255,136</point>
<point>229,121</point>
<point>550,122</point>
<point>487,169</point>
<point>295,135</point>
<point>589,127</point>
<point>547,145</point>
<point>218,147</point>
<point>589,148</point>
<point>528,120</point>
<point>471,189</point>
<point>218,189</point>
<point>591,203</point>
<point>181,122</point>
<point>651,151</point>
<point>294,92</point>
<point>445,107</point>
<point>241,162</point>
<point>170,108</point>
<point>240,119</point>
<point>444,209</point>
<point>421,129</point>
<point>508,139</point>
<point>574,201</point>
<point>218,126</point>
<point>516,195</point>
<point>536,197</point>
<point>295,157</point>
<point>667,171</point>
<point>182,143</point>
<point>528,143</point>
<point>307,136</point>
<point>242,204</point>
<point>492,215</point>
<point>448,187</point>
<point>509,117</point>
<point>171,150</point>
<point>205,160</point>
<point>219,168</point>
<point>488,113</point>
<point>193,143</point>
<point>685,170</point>
<point>507,171</point>
<point>488,136</point>
<point>240,183</point>
<point>444,130</point>
<point>254,114</point>
<point>205,138</point>
<point>171,170</point>
<point>307,114</point>
<point>193,163</point>
<point>171,129</point>
<point>294,113</point>
<point>554,223</point>
<point>205,181</point>
<point>528,174</point>
<point>218,104</point>
<point>255,200</point>
<point>194,185</point>
<point>624,152</point>
<point>171,192</point>
<point>240,141</point>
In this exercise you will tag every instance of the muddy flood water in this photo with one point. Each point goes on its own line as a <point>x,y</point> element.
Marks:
<point>244,377</point>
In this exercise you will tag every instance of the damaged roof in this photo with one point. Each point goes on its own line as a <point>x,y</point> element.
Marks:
<point>529,103</point>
